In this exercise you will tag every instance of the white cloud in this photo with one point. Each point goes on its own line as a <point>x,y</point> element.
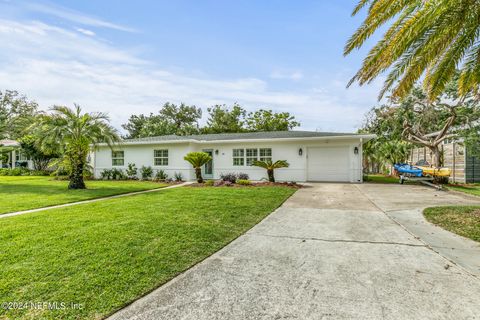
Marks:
<point>74,16</point>
<point>292,75</point>
<point>56,66</point>
<point>86,32</point>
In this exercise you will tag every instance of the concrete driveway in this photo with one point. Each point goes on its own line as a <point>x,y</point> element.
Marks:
<point>332,251</point>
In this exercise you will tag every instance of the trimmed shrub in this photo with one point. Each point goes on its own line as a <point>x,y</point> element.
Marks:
<point>106,174</point>
<point>132,171</point>
<point>161,175</point>
<point>19,171</point>
<point>244,182</point>
<point>178,176</point>
<point>209,183</point>
<point>112,174</point>
<point>230,177</point>
<point>242,176</point>
<point>117,174</point>
<point>146,172</point>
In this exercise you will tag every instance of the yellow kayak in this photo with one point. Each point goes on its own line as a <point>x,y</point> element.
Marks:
<point>436,172</point>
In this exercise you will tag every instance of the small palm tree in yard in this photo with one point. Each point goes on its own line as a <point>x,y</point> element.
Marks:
<point>271,166</point>
<point>74,134</point>
<point>197,160</point>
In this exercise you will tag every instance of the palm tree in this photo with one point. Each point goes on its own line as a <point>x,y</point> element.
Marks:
<point>430,38</point>
<point>197,160</point>
<point>394,151</point>
<point>271,166</point>
<point>74,135</point>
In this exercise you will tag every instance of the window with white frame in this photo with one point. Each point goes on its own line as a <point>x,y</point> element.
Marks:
<point>265,154</point>
<point>160,157</point>
<point>238,157</point>
<point>118,158</point>
<point>252,155</point>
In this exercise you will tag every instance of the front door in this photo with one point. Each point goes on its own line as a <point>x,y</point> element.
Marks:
<point>208,167</point>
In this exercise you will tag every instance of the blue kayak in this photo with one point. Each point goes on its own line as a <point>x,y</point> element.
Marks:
<point>406,168</point>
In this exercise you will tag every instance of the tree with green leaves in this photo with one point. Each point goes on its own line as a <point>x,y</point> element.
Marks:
<point>221,119</point>
<point>73,134</point>
<point>270,166</point>
<point>418,121</point>
<point>16,114</point>
<point>135,126</point>
<point>183,117</point>
<point>197,160</point>
<point>395,151</point>
<point>40,158</point>
<point>428,39</point>
<point>171,119</point>
<point>267,120</point>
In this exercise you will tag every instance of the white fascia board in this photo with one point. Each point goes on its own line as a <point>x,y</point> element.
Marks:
<point>363,137</point>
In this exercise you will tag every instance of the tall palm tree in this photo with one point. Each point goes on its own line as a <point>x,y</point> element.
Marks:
<point>271,166</point>
<point>197,160</point>
<point>74,134</point>
<point>430,38</point>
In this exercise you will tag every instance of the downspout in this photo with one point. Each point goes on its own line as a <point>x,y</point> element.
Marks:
<point>361,160</point>
<point>94,163</point>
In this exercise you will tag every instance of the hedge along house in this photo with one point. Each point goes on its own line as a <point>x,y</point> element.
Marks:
<point>313,156</point>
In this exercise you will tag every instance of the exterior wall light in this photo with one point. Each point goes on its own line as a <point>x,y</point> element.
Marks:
<point>300,151</point>
<point>355,150</point>
<point>216,152</point>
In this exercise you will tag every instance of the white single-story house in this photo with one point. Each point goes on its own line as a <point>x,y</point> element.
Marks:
<point>313,156</point>
<point>12,156</point>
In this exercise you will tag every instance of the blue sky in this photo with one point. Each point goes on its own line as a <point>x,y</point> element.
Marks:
<point>125,57</point>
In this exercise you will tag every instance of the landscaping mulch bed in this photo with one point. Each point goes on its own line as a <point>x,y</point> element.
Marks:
<point>254,184</point>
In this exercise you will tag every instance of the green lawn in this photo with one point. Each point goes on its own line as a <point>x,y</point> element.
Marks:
<point>473,189</point>
<point>106,254</point>
<point>23,193</point>
<point>380,178</point>
<point>462,220</point>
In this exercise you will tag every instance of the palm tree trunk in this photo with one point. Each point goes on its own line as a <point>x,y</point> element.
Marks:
<point>198,173</point>
<point>76,178</point>
<point>271,178</point>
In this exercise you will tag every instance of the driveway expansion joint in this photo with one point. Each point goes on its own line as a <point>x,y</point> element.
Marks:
<point>338,240</point>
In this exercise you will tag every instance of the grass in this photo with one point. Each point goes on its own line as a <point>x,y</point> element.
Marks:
<point>106,254</point>
<point>23,193</point>
<point>462,220</point>
<point>473,189</point>
<point>380,178</point>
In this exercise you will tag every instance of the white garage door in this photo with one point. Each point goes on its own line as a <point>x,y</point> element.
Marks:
<point>328,164</point>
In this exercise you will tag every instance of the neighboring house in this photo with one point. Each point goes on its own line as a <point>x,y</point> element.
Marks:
<point>313,156</point>
<point>11,155</point>
<point>465,167</point>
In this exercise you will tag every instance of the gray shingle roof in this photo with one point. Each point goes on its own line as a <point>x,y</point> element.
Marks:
<point>241,136</point>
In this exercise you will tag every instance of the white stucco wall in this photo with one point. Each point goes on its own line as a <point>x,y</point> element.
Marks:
<point>142,155</point>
